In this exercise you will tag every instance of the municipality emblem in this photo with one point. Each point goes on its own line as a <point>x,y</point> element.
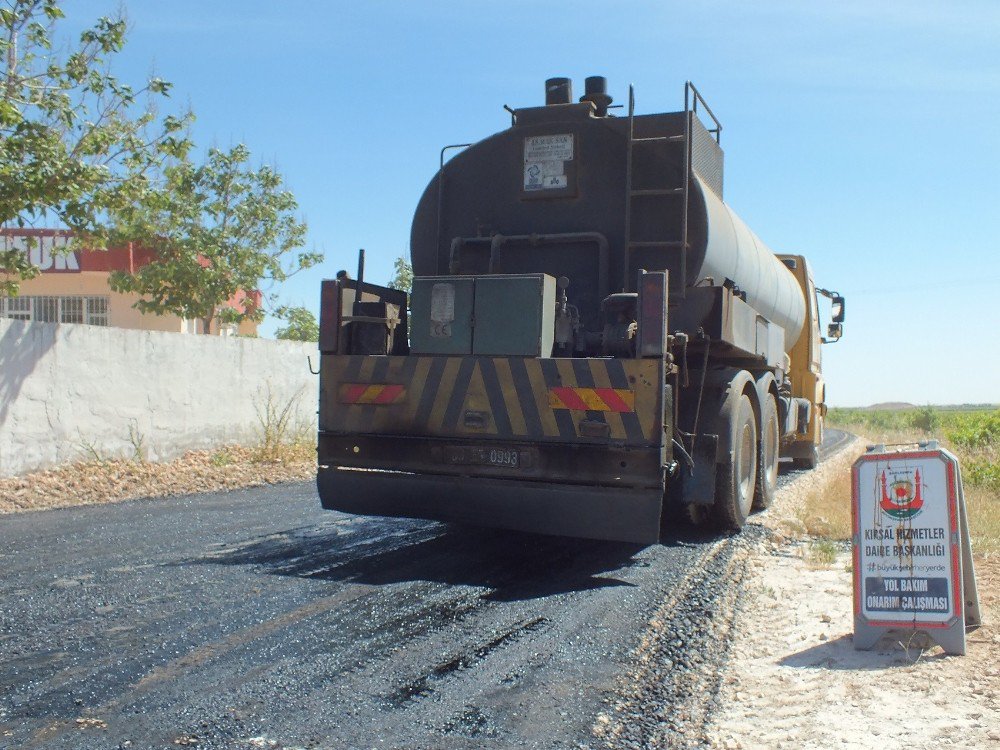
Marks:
<point>902,494</point>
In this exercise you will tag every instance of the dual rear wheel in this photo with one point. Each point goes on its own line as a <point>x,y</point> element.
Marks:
<point>736,480</point>
<point>749,480</point>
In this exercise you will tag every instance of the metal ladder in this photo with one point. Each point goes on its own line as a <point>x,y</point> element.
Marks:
<point>691,100</point>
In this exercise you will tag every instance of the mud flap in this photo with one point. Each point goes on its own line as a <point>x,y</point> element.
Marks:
<point>623,514</point>
<point>697,485</point>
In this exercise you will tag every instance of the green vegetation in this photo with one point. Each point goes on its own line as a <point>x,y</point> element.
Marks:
<point>973,435</point>
<point>221,458</point>
<point>218,228</point>
<point>301,324</point>
<point>402,275</point>
<point>822,552</point>
<point>75,142</point>
<point>81,147</point>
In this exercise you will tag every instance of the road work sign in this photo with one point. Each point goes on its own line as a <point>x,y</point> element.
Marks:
<point>912,557</point>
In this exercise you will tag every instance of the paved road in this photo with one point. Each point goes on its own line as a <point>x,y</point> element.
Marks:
<point>254,619</point>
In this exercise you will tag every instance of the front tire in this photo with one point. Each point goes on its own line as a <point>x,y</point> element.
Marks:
<point>736,480</point>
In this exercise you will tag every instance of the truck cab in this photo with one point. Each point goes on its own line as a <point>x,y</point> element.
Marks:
<point>805,371</point>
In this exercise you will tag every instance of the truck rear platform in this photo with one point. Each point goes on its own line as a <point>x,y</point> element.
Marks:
<point>552,445</point>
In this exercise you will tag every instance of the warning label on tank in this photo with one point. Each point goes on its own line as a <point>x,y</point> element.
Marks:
<point>545,158</point>
<point>549,148</point>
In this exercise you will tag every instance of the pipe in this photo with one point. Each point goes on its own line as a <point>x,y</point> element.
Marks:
<point>596,92</point>
<point>558,91</point>
<point>361,280</point>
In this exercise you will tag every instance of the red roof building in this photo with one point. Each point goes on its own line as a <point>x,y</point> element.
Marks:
<point>72,287</point>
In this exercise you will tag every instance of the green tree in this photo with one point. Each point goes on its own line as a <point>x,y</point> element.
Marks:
<point>216,228</point>
<point>925,418</point>
<point>402,277</point>
<point>75,142</point>
<point>301,324</point>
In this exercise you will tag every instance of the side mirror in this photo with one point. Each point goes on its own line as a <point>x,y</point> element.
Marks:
<point>833,332</point>
<point>837,310</point>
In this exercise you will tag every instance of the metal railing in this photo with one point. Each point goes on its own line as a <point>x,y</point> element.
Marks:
<point>691,99</point>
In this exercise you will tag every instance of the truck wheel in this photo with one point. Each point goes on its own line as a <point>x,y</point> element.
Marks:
<point>767,466</point>
<point>698,515</point>
<point>736,480</point>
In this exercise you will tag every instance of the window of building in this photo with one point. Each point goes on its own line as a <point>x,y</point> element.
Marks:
<point>97,311</point>
<point>90,310</point>
<point>70,309</point>
<point>18,308</point>
<point>46,309</point>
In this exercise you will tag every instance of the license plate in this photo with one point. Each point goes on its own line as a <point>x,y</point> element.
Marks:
<point>505,458</point>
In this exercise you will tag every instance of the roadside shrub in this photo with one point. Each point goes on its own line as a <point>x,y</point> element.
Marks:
<point>925,419</point>
<point>283,435</point>
<point>982,472</point>
<point>977,431</point>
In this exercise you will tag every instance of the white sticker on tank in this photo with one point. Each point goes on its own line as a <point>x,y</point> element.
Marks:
<point>544,175</point>
<point>548,148</point>
<point>442,310</point>
<point>551,168</point>
<point>545,158</point>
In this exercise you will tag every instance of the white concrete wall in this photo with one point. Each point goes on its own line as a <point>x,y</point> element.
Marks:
<point>64,387</point>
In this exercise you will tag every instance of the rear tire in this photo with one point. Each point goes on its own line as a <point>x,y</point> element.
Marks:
<point>767,465</point>
<point>735,481</point>
<point>698,516</point>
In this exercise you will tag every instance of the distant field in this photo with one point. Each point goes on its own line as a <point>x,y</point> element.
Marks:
<point>971,433</point>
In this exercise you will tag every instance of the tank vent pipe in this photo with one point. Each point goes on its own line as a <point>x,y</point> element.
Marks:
<point>596,91</point>
<point>558,91</point>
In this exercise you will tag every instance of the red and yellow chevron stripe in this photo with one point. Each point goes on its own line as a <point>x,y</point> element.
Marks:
<point>506,398</point>
<point>366,393</point>
<point>592,399</point>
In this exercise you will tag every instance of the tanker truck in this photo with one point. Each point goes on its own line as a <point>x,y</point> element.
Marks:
<point>595,344</point>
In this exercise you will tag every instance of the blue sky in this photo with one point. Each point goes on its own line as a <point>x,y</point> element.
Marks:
<point>862,135</point>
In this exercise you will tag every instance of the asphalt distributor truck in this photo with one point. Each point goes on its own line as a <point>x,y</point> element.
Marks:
<point>593,338</point>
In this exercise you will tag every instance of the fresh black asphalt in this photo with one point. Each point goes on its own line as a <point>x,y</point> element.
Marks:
<point>254,619</point>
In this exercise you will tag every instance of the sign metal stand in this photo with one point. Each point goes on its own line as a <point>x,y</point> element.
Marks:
<point>912,555</point>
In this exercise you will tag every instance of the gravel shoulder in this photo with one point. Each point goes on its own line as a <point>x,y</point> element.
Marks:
<point>793,678</point>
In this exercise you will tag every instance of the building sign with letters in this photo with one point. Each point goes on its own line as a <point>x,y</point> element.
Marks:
<point>912,558</point>
<point>44,248</point>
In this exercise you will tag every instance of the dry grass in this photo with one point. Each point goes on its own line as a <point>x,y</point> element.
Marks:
<point>984,519</point>
<point>109,480</point>
<point>826,511</point>
<point>281,432</point>
<point>285,451</point>
<point>826,514</point>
